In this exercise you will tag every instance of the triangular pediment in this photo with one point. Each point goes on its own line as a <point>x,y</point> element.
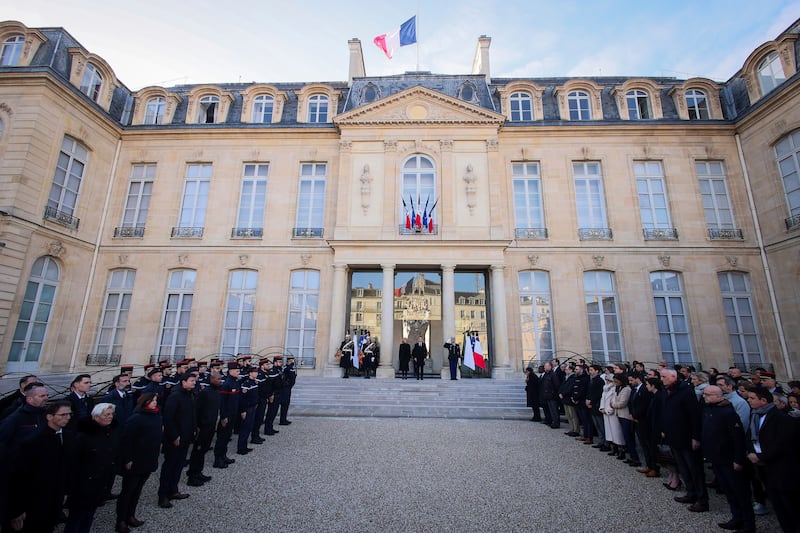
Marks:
<point>419,105</point>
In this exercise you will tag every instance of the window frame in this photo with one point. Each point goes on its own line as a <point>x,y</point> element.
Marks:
<point>68,192</point>
<point>263,109</point>
<point>600,294</point>
<point>715,201</point>
<point>303,304</point>
<point>114,318</point>
<point>652,181</point>
<point>769,72</point>
<point>579,113</point>
<point>637,97</point>
<point>667,321</point>
<point>517,111</point>
<point>92,82</point>
<point>528,205</point>
<point>240,303</point>
<point>732,304</point>
<point>418,183</point>
<point>209,103</point>
<point>11,52</point>
<point>256,174</point>
<point>697,105</point>
<point>194,203</point>
<point>595,200</point>
<point>41,290</point>
<point>155,108</point>
<point>318,108</point>
<point>542,329</point>
<point>174,333</point>
<point>310,213</point>
<point>791,186</point>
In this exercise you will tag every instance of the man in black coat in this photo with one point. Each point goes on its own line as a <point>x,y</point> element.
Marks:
<point>82,403</point>
<point>180,429</point>
<point>724,447</point>
<point>454,352</point>
<point>208,402</point>
<point>248,401</point>
<point>275,380</point>
<point>289,379</point>
<point>121,399</point>
<point>593,398</point>
<point>548,387</point>
<point>228,410</point>
<point>264,395</point>
<point>418,353</point>
<point>680,428</point>
<point>11,402</point>
<point>639,408</point>
<point>28,420</point>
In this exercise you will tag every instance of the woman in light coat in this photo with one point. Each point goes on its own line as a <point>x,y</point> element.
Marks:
<point>610,421</point>
<point>621,410</point>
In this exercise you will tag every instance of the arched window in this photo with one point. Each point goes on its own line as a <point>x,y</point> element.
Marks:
<point>318,108</point>
<point>301,323</point>
<point>114,317</point>
<point>697,104</point>
<point>154,110</point>
<point>467,93</point>
<point>770,73</point>
<point>263,106</point>
<point>638,105</point>
<point>370,94</point>
<point>787,153</point>
<point>418,191</point>
<point>740,317</point>
<point>12,51</point>
<point>174,334</point>
<point>34,315</point>
<point>207,110</point>
<point>240,306</point>
<point>67,179</point>
<point>521,107</point>
<point>601,308</point>
<point>92,82</point>
<point>671,319</point>
<point>579,106</point>
<point>536,316</point>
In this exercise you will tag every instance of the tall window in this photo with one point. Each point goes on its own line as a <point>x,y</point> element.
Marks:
<point>652,195</point>
<point>253,199</point>
<point>207,110</point>
<point>177,312</point>
<point>154,110</point>
<point>527,184</point>
<point>714,192</point>
<point>195,196</point>
<point>521,107</point>
<point>601,308</point>
<point>419,184</point>
<point>536,315</point>
<point>114,317</point>
<point>318,108</point>
<point>579,106</point>
<point>638,105</point>
<point>787,152</point>
<point>673,326</point>
<point>301,330</point>
<point>742,330</point>
<point>34,315</point>
<point>262,109</point>
<point>240,305</point>
<point>140,189</point>
<point>12,51</point>
<point>92,82</point>
<point>697,104</point>
<point>589,198</point>
<point>68,176</point>
<point>311,200</point>
<point>770,72</point>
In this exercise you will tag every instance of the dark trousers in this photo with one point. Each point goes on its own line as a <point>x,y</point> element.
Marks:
<point>223,438</point>
<point>643,432</point>
<point>197,459</point>
<point>736,488</point>
<point>286,398</point>
<point>599,426</point>
<point>586,420</point>
<point>80,520</point>
<point>690,467</point>
<point>272,412</point>
<point>784,500</point>
<point>453,368</point>
<point>630,440</point>
<point>171,468</point>
<point>553,415</point>
<point>418,370</point>
<point>261,412</point>
<point>128,500</point>
<point>246,428</point>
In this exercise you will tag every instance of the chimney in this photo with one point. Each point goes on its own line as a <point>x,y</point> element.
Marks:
<point>356,61</point>
<point>480,65</point>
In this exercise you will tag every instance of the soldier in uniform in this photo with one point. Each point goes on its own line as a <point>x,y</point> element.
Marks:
<point>275,379</point>
<point>169,380</point>
<point>208,402</point>
<point>346,360</point>
<point>180,429</point>
<point>289,379</point>
<point>370,359</point>
<point>248,401</point>
<point>228,410</point>
<point>263,400</point>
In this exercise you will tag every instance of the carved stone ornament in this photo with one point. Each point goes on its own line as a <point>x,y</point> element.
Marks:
<point>56,249</point>
<point>390,146</point>
<point>533,260</point>
<point>664,260</point>
<point>366,188</point>
<point>492,145</point>
<point>598,260</point>
<point>345,146</point>
<point>122,259</point>
<point>585,152</point>
<point>305,259</point>
<point>182,258</point>
<point>446,145</point>
<point>471,189</point>
<point>5,107</point>
<point>243,259</point>
<point>732,260</point>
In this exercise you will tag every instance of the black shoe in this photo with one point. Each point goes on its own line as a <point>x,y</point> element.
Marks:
<point>220,463</point>
<point>698,507</point>
<point>178,496</point>
<point>730,524</point>
<point>284,423</point>
<point>195,482</point>
<point>604,448</point>
<point>597,446</point>
<point>684,499</point>
<point>554,426</point>
<point>134,522</point>
<point>229,460</point>
<point>164,503</point>
<point>271,432</point>
<point>258,440</point>
<point>204,477</point>
<point>244,452</point>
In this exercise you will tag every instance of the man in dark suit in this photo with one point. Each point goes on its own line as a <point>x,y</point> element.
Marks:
<point>774,451</point>
<point>12,402</point>
<point>208,401</point>
<point>418,353</point>
<point>120,398</point>
<point>180,430</point>
<point>82,403</point>
<point>593,398</point>
<point>639,407</point>
<point>549,384</point>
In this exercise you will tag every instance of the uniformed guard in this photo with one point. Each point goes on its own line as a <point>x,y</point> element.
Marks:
<point>275,379</point>
<point>346,359</point>
<point>248,401</point>
<point>289,379</point>
<point>370,358</point>
<point>264,394</point>
<point>228,410</point>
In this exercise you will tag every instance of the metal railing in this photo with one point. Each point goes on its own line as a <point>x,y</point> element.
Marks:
<point>531,233</point>
<point>307,233</point>
<point>660,234</point>
<point>728,234</point>
<point>793,222</point>
<point>125,232</point>
<point>247,233</point>
<point>60,217</point>
<point>103,359</point>
<point>595,234</point>
<point>186,232</point>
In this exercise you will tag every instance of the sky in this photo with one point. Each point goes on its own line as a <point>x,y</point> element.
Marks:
<point>171,42</point>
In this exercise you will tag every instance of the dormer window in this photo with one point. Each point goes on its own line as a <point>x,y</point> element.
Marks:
<point>318,108</point>
<point>207,110</point>
<point>370,94</point>
<point>579,106</point>
<point>467,93</point>
<point>91,82</point>
<point>263,106</point>
<point>12,51</point>
<point>521,107</point>
<point>638,105</point>
<point>697,105</point>
<point>770,73</point>
<point>154,111</point>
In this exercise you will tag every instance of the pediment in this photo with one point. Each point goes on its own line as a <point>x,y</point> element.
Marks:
<point>419,105</point>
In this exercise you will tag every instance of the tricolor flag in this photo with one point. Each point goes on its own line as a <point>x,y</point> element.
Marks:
<point>404,35</point>
<point>477,353</point>
<point>469,356</point>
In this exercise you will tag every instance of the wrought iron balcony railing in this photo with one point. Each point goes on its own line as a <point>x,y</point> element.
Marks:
<point>793,222</point>
<point>187,232</point>
<point>728,234</point>
<point>595,234</point>
<point>125,232</point>
<point>307,233</point>
<point>247,233</point>
<point>660,234</point>
<point>61,217</point>
<point>531,233</point>
<point>103,359</point>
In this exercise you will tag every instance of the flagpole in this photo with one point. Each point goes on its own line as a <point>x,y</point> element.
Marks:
<point>418,35</point>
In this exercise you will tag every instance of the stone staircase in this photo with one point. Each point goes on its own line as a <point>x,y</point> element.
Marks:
<point>396,398</point>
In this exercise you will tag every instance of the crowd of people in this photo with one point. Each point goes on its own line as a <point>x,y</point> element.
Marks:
<point>61,457</point>
<point>739,435</point>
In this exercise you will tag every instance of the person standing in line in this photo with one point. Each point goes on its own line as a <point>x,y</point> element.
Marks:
<point>453,353</point>
<point>180,430</point>
<point>346,348</point>
<point>12,402</point>
<point>593,399</point>
<point>263,400</point>
<point>549,385</point>
<point>121,398</point>
<point>208,401</point>
<point>289,379</point>
<point>404,357</point>
<point>532,393</point>
<point>419,353</point>
<point>248,401</point>
<point>274,384</point>
<point>78,397</point>
<point>228,410</point>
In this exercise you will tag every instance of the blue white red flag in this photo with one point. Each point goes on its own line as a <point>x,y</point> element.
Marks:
<point>403,36</point>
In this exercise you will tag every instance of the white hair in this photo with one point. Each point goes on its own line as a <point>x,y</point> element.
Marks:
<point>100,407</point>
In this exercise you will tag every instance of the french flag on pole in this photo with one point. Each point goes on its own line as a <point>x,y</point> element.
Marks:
<point>404,35</point>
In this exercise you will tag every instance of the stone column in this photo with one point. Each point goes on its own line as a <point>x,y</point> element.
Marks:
<point>448,311</point>
<point>502,367</point>
<point>386,370</point>
<point>338,307</point>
